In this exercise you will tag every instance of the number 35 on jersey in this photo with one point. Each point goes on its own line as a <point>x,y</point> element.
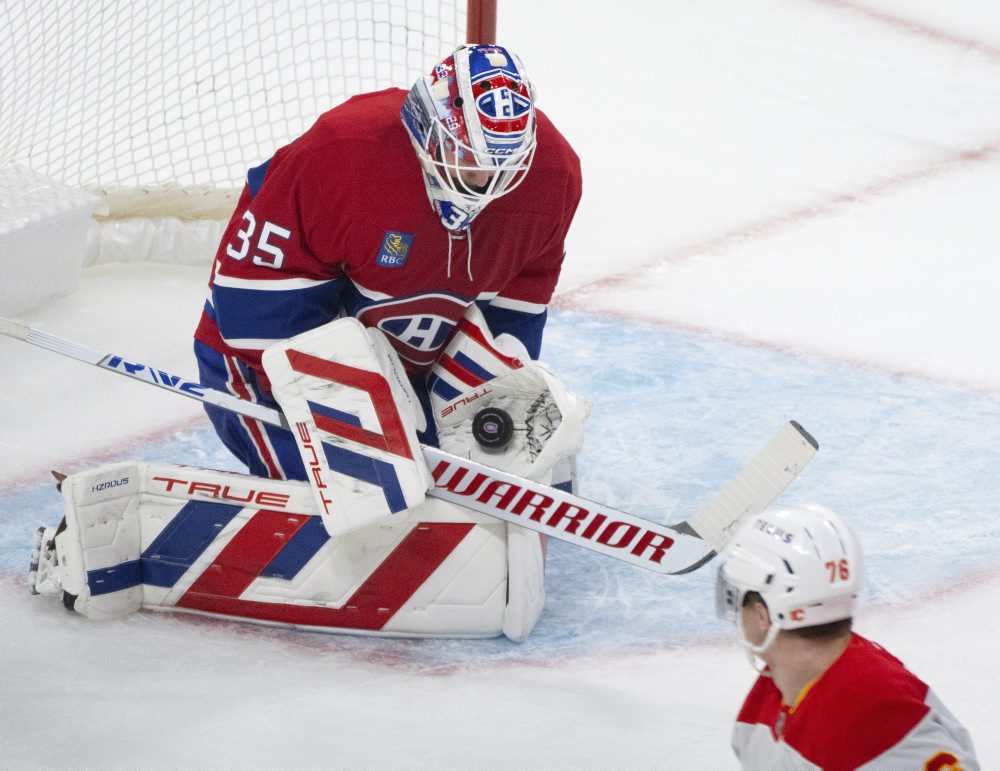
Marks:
<point>265,246</point>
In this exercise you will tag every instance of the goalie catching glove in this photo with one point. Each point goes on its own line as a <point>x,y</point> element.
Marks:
<point>495,406</point>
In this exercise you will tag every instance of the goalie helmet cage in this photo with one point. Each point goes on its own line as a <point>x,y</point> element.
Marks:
<point>160,106</point>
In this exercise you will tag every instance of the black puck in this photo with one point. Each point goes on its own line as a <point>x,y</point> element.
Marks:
<point>492,427</point>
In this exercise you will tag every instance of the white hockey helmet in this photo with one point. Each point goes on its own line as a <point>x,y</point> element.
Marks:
<point>472,124</point>
<point>804,562</point>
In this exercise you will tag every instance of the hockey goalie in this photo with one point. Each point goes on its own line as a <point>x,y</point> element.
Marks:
<point>350,247</point>
<point>359,548</point>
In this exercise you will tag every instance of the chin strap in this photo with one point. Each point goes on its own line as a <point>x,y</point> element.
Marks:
<point>453,216</point>
<point>754,652</point>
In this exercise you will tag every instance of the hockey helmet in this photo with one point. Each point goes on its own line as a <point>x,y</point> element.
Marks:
<point>804,562</point>
<point>472,124</point>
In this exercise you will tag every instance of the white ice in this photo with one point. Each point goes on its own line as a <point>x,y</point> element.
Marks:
<point>789,188</point>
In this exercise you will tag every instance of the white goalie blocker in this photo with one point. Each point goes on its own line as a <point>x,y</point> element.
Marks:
<point>355,418</point>
<point>177,538</point>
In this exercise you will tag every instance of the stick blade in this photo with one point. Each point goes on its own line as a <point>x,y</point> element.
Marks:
<point>756,486</point>
<point>21,331</point>
<point>13,328</point>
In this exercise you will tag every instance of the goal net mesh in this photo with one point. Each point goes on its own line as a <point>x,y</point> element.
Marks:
<point>185,95</point>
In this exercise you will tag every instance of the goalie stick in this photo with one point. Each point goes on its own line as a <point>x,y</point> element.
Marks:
<point>669,549</point>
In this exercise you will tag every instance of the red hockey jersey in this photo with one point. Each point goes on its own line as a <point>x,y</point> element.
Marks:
<point>338,222</point>
<point>866,711</point>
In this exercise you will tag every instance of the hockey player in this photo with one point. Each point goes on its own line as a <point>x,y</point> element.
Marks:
<point>338,223</point>
<point>828,698</point>
<point>377,273</point>
<point>374,319</point>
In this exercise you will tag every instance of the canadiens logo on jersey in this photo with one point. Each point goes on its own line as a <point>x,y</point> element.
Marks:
<point>395,249</point>
<point>417,326</point>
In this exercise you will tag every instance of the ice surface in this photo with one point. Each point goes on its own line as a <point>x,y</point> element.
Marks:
<point>789,212</point>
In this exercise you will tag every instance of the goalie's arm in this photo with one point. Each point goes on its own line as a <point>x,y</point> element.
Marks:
<point>273,276</point>
<point>524,321</point>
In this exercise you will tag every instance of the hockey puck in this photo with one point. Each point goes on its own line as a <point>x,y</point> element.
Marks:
<point>492,427</point>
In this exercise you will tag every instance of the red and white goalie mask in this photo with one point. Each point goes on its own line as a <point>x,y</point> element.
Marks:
<point>472,123</point>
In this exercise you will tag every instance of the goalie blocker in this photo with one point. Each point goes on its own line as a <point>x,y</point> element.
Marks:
<point>355,417</point>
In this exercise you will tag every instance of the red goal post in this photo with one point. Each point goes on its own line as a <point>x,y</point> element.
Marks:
<point>160,106</point>
<point>481,26</point>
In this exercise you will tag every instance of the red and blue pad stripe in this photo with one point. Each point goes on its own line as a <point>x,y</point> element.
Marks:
<point>279,546</point>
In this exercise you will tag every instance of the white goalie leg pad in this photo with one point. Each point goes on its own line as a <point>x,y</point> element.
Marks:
<point>179,538</point>
<point>97,554</point>
<point>525,582</point>
<point>474,373</point>
<point>108,560</point>
<point>355,419</point>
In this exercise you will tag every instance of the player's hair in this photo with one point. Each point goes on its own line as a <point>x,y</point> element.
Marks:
<point>829,631</point>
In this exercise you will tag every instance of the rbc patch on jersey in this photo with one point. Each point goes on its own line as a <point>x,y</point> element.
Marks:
<point>395,249</point>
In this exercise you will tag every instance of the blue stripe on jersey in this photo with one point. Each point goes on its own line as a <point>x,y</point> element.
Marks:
<point>274,314</point>
<point>255,177</point>
<point>526,327</point>
<point>367,469</point>
<point>308,540</point>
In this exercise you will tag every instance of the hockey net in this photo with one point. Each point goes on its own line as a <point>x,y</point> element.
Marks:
<point>160,106</point>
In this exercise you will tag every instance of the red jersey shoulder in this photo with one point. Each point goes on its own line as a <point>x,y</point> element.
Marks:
<point>554,148</point>
<point>762,704</point>
<point>863,705</point>
<point>355,140</point>
<point>555,177</point>
<point>362,115</point>
<point>867,674</point>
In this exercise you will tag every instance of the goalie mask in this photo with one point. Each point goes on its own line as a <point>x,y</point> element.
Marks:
<point>804,562</point>
<point>472,124</point>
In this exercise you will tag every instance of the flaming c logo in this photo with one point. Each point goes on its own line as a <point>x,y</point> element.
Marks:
<point>942,761</point>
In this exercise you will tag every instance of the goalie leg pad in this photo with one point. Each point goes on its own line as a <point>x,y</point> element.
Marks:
<point>178,538</point>
<point>98,551</point>
<point>525,582</point>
